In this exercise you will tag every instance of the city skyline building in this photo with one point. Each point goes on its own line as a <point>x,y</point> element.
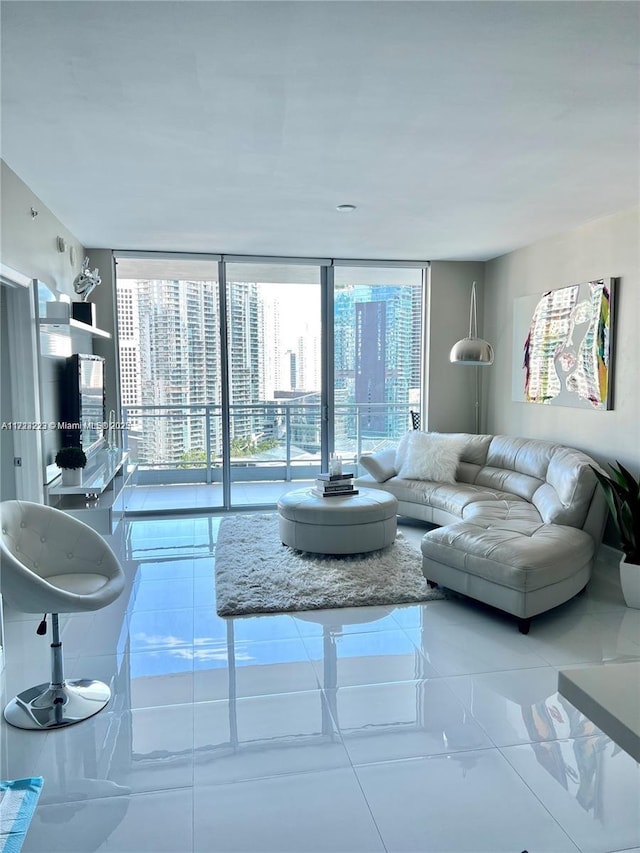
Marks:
<point>173,325</point>
<point>375,346</point>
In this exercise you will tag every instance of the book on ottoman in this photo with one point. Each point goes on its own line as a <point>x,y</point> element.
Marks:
<point>334,478</point>
<point>334,493</point>
<point>330,485</point>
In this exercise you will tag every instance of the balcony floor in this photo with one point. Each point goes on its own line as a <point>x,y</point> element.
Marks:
<point>173,497</point>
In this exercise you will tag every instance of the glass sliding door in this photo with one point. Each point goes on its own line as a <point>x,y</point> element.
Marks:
<point>377,332</point>
<point>170,380</point>
<point>273,334</point>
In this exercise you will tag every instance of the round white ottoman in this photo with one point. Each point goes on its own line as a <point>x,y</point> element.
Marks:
<point>349,524</point>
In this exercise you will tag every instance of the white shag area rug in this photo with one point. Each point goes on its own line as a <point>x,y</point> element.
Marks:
<point>256,573</point>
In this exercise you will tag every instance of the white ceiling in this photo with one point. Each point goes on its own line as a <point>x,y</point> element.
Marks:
<point>460,130</point>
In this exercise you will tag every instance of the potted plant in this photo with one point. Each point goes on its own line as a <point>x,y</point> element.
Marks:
<point>72,460</point>
<point>622,493</point>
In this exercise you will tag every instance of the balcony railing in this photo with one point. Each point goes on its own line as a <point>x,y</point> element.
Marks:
<point>269,441</point>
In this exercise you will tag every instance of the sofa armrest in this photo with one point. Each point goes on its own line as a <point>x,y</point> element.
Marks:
<point>380,464</point>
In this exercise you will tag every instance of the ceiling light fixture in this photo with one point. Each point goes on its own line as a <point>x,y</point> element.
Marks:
<point>346,208</point>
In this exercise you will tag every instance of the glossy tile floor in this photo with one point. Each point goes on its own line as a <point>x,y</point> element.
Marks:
<point>432,727</point>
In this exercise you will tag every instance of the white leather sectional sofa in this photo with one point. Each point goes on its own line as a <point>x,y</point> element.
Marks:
<point>519,527</point>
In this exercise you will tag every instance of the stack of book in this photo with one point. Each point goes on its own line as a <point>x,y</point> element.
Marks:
<point>334,485</point>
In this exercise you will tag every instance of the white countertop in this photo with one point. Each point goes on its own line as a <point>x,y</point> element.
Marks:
<point>609,695</point>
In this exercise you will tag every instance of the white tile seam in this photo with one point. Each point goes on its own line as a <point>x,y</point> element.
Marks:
<point>533,793</point>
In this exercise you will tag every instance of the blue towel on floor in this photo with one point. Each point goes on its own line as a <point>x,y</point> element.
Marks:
<point>18,800</point>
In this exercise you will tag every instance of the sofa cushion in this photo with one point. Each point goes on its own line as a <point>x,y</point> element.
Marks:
<point>455,498</point>
<point>532,557</point>
<point>473,456</point>
<point>380,464</point>
<point>428,456</point>
<point>568,492</point>
<point>517,465</point>
<point>409,491</point>
<point>452,498</point>
<point>474,447</point>
<point>525,455</point>
<point>509,514</point>
<point>506,480</point>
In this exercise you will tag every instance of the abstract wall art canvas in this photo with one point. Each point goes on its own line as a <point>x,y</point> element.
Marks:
<point>563,346</point>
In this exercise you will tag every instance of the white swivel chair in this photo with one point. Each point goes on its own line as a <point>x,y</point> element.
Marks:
<point>53,563</point>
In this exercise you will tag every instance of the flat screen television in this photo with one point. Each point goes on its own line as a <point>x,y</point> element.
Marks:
<point>82,404</point>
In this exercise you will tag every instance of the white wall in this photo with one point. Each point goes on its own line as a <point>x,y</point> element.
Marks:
<point>450,388</point>
<point>28,246</point>
<point>606,247</point>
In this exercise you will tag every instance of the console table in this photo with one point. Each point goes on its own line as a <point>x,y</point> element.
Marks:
<point>100,499</point>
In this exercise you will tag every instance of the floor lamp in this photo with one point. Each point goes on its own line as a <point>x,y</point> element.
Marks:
<point>473,351</point>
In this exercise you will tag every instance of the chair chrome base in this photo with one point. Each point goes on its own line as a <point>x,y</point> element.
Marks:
<point>49,706</point>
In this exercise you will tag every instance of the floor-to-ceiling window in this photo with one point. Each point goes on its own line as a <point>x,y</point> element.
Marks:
<point>170,378</point>
<point>239,375</point>
<point>377,376</point>
<point>274,335</point>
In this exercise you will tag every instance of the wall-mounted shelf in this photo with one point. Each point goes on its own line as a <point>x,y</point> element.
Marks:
<point>100,471</point>
<point>59,337</point>
<point>107,479</point>
<point>59,326</point>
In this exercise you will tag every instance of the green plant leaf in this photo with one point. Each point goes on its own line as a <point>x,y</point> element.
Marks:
<point>629,480</point>
<point>622,495</point>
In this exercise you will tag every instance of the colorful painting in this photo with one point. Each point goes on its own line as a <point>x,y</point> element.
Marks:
<point>562,346</point>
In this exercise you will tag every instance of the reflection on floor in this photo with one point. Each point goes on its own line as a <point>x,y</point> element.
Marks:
<point>431,727</point>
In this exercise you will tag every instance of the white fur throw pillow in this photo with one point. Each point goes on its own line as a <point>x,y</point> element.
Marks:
<point>430,456</point>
